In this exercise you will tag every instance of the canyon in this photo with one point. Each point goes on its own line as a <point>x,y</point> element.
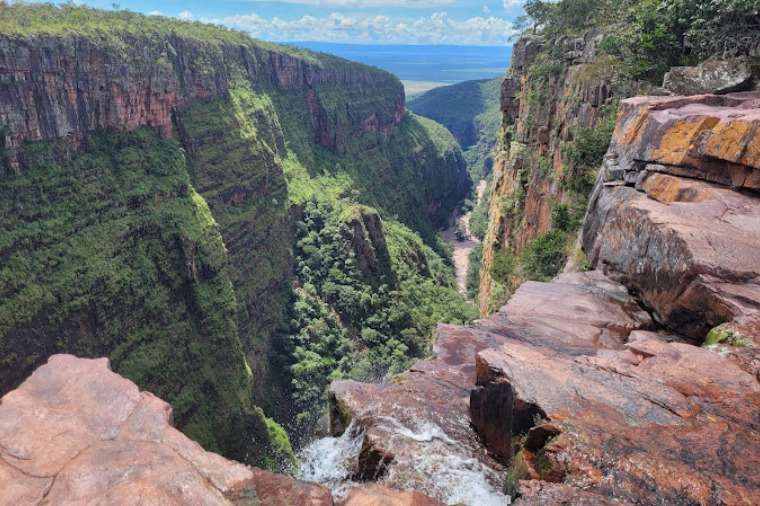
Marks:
<point>248,233</point>
<point>156,180</point>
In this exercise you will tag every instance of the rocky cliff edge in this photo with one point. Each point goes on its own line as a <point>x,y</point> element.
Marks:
<point>635,383</point>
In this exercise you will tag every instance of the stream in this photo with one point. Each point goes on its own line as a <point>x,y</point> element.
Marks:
<point>333,461</point>
<point>462,248</point>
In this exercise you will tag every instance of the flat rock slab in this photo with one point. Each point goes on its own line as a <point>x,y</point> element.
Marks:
<point>77,433</point>
<point>654,423</point>
<point>577,313</point>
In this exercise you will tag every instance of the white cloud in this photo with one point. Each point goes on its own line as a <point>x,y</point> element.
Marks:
<point>185,15</point>
<point>486,9</point>
<point>508,4</point>
<point>412,4</point>
<point>438,28</point>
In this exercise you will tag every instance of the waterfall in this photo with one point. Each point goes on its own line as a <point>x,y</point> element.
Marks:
<point>331,461</point>
<point>438,471</point>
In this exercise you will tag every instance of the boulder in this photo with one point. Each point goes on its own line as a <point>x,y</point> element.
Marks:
<point>653,423</point>
<point>709,137</point>
<point>75,433</point>
<point>712,76</point>
<point>375,495</point>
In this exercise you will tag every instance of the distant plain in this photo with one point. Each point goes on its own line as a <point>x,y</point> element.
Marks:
<point>424,67</point>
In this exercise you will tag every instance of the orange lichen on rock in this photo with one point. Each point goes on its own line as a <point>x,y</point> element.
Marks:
<point>680,139</point>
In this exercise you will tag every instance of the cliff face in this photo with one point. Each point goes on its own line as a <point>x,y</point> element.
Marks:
<point>152,172</point>
<point>470,111</point>
<point>64,87</point>
<point>551,103</point>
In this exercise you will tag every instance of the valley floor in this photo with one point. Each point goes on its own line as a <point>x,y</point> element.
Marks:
<point>462,249</point>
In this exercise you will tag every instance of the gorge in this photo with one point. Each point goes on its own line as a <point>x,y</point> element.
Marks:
<point>248,233</point>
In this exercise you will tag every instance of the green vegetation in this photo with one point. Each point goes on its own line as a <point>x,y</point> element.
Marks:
<point>479,216</point>
<point>722,335</point>
<point>473,272</point>
<point>232,271</point>
<point>116,27</point>
<point>349,322</point>
<point>518,470</point>
<point>544,256</point>
<point>470,110</point>
<point>420,163</point>
<point>112,252</point>
<point>653,35</point>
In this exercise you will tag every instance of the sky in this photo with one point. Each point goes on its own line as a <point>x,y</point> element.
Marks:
<point>461,22</point>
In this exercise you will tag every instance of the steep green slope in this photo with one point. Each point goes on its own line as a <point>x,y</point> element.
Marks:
<point>173,247</point>
<point>470,110</point>
<point>112,252</point>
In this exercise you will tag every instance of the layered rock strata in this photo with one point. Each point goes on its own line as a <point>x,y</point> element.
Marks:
<point>674,214</point>
<point>549,97</point>
<point>63,87</point>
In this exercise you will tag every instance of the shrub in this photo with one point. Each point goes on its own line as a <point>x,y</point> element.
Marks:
<point>561,217</point>
<point>473,271</point>
<point>503,265</point>
<point>543,257</point>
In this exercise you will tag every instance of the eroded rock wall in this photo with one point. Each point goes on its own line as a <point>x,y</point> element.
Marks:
<point>552,94</point>
<point>61,87</point>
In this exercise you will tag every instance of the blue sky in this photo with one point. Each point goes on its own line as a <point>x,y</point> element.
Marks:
<point>466,22</point>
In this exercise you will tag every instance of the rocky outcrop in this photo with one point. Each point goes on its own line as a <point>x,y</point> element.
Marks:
<point>75,432</point>
<point>63,86</point>
<point>655,421</point>
<point>596,388</point>
<point>417,427</point>
<point>712,76</point>
<point>585,404</point>
<point>644,416</point>
<point>708,137</point>
<point>658,222</point>
<point>368,242</point>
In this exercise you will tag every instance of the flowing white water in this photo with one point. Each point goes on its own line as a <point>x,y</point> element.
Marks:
<point>332,461</point>
<point>427,460</point>
<point>438,467</point>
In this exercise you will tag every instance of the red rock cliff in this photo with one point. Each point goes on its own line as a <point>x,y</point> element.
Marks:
<point>60,87</point>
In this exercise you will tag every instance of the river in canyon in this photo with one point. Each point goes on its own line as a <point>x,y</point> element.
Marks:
<point>463,246</point>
